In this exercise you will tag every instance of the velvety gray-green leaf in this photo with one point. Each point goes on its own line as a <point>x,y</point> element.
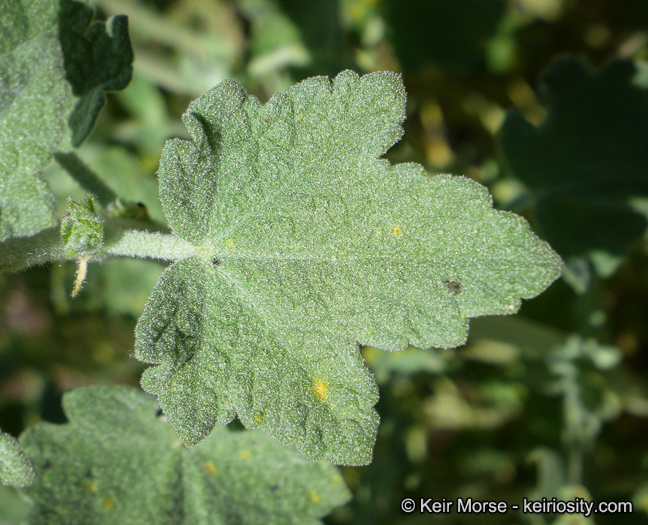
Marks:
<point>308,245</point>
<point>219,357</point>
<point>32,102</point>
<point>22,21</point>
<point>97,56</point>
<point>54,69</point>
<point>117,462</point>
<point>583,166</point>
<point>15,467</point>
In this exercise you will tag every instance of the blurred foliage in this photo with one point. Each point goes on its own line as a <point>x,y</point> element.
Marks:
<point>584,168</point>
<point>552,402</point>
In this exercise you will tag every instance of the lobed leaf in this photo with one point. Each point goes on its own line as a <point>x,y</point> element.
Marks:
<point>15,467</point>
<point>54,68</point>
<point>309,245</point>
<point>116,462</point>
<point>98,58</point>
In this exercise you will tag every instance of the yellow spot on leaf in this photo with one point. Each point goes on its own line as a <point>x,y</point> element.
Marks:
<point>314,497</point>
<point>258,418</point>
<point>209,468</point>
<point>320,387</point>
<point>336,480</point>
<point>245,454</point>
<point>108,503</point>
<point>230,243</point>
<point>396,231</point>
<point>91,486</point>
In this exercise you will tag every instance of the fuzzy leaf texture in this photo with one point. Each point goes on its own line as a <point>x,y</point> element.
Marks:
<point>584,167</point>
<point>15,467</point>
<point>116,462</point>
<point>82,228</point>
<point>308,245</point>
<point>54,68</point>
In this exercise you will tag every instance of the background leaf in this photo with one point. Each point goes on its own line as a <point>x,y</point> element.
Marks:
<point>309,245</point>
<point>583,167</point>
<point>116,462</point>
<point>98,58</point>
<point>450,33</point>
<point>13,508</point>
<point>54,67</point>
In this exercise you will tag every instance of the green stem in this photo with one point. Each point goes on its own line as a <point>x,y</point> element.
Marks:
<point>120,240</point>
<point>574,425</point>
<point>93,184</point>
<point>575,463</point>
<point>143,244</point>
<point>18,253</point>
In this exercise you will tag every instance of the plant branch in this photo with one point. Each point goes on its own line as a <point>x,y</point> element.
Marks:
<point>120,240</point>
<point>19,253</point>
<point>144,244</point>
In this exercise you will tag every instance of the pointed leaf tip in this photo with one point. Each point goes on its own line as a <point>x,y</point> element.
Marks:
<point>15,466</point>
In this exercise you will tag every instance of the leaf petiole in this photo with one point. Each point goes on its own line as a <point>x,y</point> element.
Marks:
<point>121,240</point>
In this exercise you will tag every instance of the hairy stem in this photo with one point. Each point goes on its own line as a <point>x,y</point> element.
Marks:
<point>18,253</point>
<point>143,244</point>
<point>120,240</point>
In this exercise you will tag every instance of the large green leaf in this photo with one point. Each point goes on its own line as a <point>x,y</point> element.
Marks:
<point>31,127</point>
<point>589,157</point>
<point>54,68</point>
<point>116,462</point>
<point>308,246</point>
<point>15,467</point>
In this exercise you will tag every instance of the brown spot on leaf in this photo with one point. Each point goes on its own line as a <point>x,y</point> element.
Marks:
<point>453,286</point>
